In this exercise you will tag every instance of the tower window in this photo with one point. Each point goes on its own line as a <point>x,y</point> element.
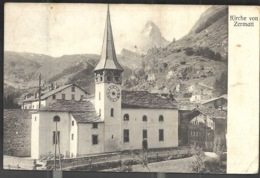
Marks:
<point>99,112</point>
<point>55,137</point>
<point>126,135</point>
<point>72,123</point>
<point>161,118</point>
<point>145,118</point>
<point>73,89</point>
<point>117,73</point>
<point>117,79</point>
<point>144,134</point>
<point>95,125</point>
<point>126,117</point>
<point>72,136</point>
<point>94,139</point>
<point>101,78</point>
<point>109,78</point>
<point>112,112</point>
<point>161,135</point>
<point>63,96</point>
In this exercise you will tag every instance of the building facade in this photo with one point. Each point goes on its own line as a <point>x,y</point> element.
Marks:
<point>66,92</point>
<point>117,120</point>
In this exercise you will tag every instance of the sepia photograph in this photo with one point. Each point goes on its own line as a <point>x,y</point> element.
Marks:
<point>115,88</point>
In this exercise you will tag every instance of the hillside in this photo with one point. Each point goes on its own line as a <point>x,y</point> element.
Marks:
<point>21,71</point>
<point>194,64</point>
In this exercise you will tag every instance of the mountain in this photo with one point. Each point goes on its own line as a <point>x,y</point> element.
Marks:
<point>198,60</point>
<point>151,36</point>
<point>194,64</point>
<point>21,71</point>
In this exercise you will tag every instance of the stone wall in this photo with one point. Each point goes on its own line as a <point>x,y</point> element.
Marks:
<point>17,132</point>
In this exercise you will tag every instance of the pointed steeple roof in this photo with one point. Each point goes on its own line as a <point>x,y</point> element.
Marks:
<point>108,55</point>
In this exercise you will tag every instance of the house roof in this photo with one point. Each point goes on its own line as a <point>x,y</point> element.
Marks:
<point>214,113</point>
<point>184,105</point>
<point>214,99</point>
<point>108,55</point>
<point>211,112</point>
<point>50,93</point>
<point>144,99</point>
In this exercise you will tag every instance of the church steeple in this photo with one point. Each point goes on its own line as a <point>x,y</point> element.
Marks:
<point>108,55</point>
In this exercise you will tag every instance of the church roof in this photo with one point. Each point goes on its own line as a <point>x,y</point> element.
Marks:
<point>108,55</point>
<point>144,99</point>
<point>68,106</point>
<point>82,111</point>
<point>86,117</point>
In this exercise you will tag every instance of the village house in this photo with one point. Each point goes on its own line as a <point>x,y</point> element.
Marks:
<point>115,120</point>
<point>207,127</point>
<point>197,98</point>
<point>217,103</point>
<point>66,92</point>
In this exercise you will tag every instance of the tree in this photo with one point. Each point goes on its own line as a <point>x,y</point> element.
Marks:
<point>220,85</point>
<point>9,102</point>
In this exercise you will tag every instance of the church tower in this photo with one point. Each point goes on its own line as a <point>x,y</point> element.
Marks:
<point>108,80</point>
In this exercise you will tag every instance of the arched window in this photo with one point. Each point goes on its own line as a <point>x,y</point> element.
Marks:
<point>112,112</point>
<point>126,117</point>
<point>145,118</point>
<point>56,118</point>
<point>161,118</point>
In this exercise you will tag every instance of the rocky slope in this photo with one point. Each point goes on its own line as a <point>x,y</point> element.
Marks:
<point>195,64</point>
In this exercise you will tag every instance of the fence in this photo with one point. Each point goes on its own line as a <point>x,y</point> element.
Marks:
<point>105,161</point>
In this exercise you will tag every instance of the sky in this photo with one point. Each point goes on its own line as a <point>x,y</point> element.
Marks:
<point>60,29</point>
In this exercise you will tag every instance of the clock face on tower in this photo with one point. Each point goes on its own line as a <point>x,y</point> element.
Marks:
<point>113,93</point>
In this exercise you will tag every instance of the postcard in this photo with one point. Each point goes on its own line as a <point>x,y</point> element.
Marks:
<point>131,88</point>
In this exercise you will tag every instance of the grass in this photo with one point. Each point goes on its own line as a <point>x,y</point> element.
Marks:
<point>179,165</point>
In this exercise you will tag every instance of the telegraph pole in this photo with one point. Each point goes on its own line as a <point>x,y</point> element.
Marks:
<point>39,90</point>
<point>55,141</point>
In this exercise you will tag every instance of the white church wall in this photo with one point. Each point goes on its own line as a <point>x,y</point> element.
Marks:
<point>46,129</point>
<point>85,142</point>
<point>35,136</point>
<point>136,126</point>
<point>99,99</point>
<point>73,138</point>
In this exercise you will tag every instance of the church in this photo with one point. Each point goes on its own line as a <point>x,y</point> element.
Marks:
<point>115,120</point>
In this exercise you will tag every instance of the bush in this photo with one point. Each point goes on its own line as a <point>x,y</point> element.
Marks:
<point>189,51</point>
